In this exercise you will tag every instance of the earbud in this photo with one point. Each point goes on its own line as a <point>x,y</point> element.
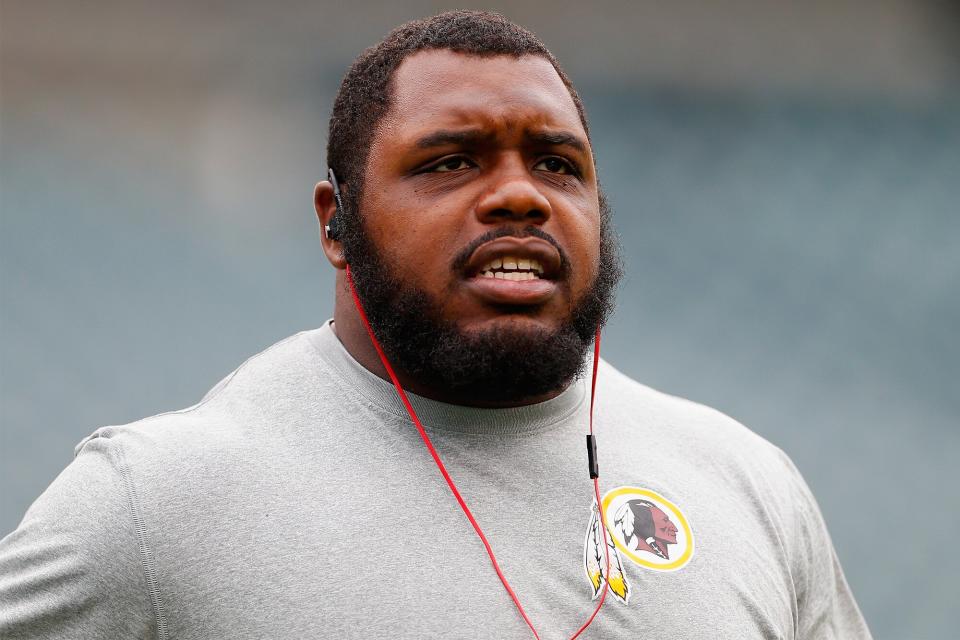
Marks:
<point>332,228</point>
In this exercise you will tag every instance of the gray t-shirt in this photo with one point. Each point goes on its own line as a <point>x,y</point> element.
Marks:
<point>296,500</point>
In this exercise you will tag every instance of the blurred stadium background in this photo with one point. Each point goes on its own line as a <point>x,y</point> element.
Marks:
<point>785,179</point>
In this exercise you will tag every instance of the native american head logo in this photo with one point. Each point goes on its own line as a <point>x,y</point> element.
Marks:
<point>642,525</point>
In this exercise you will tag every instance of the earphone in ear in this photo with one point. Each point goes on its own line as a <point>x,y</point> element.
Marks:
<point>332,227</point>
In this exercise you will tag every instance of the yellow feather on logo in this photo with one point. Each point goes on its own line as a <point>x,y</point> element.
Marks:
<point>592,555</point>
<point>595,564</point>
<point>619,587</point>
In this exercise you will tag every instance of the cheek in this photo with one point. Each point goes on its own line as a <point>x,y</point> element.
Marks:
<point>416,242</point>
<point>583,229</point>
<point>584,250</point>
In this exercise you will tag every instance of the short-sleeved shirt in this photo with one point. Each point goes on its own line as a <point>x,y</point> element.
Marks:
<point>297,500</point>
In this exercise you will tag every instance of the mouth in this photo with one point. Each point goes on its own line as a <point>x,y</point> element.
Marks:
<point>514,271</point>
<point>512,268</point>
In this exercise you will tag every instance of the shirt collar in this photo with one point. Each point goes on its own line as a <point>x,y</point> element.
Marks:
<point>442,416</point>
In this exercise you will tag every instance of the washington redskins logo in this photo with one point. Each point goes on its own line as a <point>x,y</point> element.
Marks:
<point>644,527</point>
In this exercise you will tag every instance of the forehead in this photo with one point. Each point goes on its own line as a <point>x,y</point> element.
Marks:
<point>437,89</point>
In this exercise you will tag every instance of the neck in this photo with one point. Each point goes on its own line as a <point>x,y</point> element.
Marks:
<point>349,329</point>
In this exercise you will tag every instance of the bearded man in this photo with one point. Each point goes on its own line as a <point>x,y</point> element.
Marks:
<point>299,499</point>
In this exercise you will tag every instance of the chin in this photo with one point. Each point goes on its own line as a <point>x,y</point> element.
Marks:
<point>506,358</point>
<point>517,323</point>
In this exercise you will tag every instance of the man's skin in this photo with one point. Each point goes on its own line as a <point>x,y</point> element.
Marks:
<point>464,150</point>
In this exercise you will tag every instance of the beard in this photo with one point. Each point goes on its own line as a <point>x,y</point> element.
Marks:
<point>493,366</point>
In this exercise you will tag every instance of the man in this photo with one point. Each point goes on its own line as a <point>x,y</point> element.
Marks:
<point>298,500</point>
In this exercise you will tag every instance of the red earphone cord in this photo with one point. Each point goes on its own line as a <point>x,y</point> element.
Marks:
<point>453,486</point>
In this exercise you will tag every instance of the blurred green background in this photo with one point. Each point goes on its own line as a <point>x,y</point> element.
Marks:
<point>785,179</point>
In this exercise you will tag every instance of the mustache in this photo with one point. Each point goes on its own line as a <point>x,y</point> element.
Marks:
<point>463,256</point>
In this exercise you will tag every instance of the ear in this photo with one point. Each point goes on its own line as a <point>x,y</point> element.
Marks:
<point>326,206</point>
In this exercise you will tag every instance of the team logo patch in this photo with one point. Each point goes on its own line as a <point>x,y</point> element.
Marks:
<point>644,527</point>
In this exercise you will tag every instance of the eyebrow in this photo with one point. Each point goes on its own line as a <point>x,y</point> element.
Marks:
<point>557,138</point>
<point>443,138</point>
<point>475,137</point>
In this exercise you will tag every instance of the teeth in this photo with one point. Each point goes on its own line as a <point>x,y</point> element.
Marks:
<point>512,268</point>
<point>510,275</point>
<point>512,263</point>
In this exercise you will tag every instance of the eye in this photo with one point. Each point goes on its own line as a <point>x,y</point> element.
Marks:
<point>453,163</point>
<point>554,164</point>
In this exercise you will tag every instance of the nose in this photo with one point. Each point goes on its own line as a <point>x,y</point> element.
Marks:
<point>513,196</point>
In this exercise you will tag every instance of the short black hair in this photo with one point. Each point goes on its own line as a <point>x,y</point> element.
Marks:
<point>365,92</point>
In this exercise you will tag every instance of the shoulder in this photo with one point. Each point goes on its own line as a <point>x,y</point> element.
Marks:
<point>271,381</point>
<point>90,540</point>
<point>727,476</point>
<point>79,546</point>
<point>707,448</point>
<point>698,428</point>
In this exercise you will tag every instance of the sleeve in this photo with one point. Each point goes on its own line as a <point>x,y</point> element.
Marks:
<point>826,609</point>
<point>74,567</point>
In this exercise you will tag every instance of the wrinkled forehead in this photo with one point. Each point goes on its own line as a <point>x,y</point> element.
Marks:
<point>438,89</point>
